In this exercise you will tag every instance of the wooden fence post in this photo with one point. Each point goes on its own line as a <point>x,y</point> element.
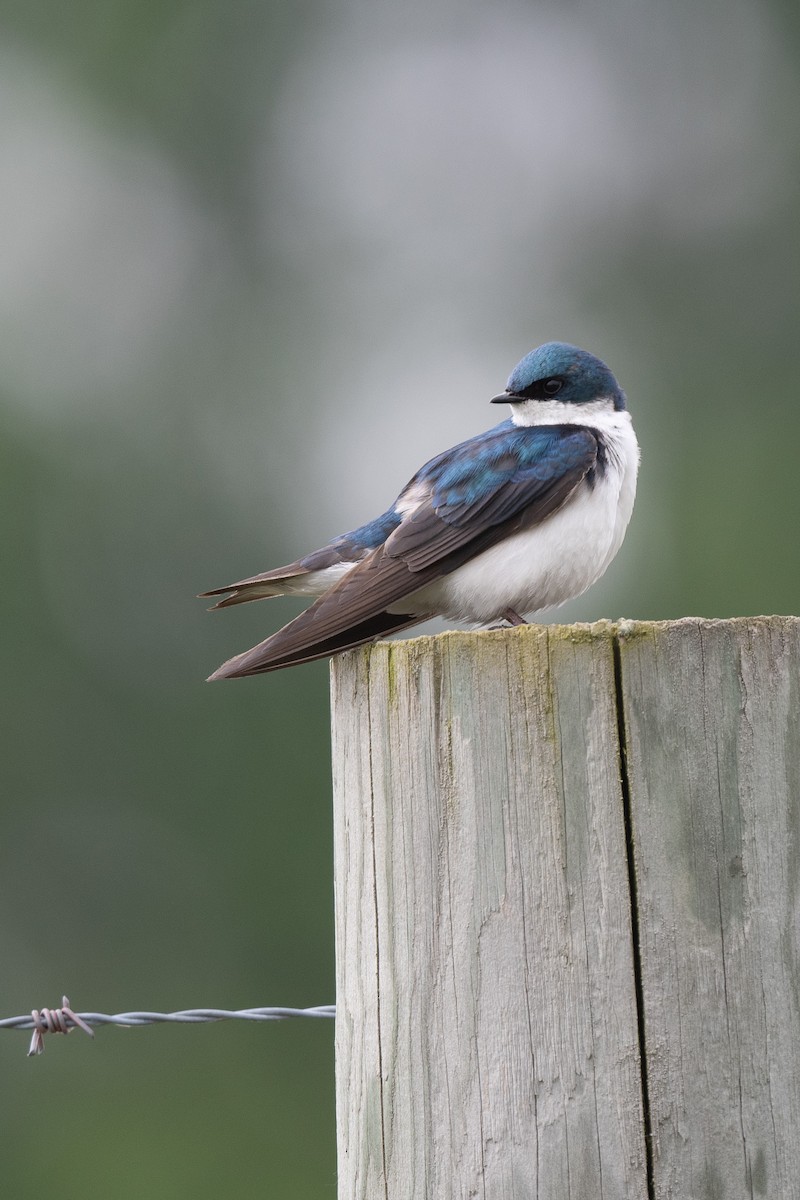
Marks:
<point>567,872</point>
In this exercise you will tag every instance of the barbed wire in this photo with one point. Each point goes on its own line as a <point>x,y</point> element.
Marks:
<point>64,1020</point>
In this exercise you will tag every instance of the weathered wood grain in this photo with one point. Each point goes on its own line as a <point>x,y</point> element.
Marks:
<point>712,719</point>
<point>487,1035</point>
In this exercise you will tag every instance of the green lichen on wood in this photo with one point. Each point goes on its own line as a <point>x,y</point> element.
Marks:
<point>625,630</point>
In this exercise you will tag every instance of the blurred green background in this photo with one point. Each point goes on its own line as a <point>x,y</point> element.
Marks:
<point>257,263</point>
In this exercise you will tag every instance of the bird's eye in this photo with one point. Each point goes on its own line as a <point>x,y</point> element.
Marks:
<point>552,386</point>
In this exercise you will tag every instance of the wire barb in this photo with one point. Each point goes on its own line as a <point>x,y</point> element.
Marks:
<point>64,1020</point>
<point>54,1020</point>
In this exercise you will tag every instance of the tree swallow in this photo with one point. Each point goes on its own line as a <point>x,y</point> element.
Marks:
<point>518,519</point>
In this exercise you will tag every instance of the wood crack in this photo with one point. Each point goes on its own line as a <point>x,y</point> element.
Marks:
<point>634,901</point>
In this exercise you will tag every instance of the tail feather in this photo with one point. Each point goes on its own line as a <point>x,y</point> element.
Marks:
<point>257,587</point>
<point>243,595</point>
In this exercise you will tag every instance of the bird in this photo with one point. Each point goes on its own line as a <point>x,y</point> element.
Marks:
<point>519,519</point>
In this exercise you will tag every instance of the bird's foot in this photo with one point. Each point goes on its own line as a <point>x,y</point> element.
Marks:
<point>509,618</point>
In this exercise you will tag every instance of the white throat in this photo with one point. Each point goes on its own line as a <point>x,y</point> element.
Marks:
<point>556,412</point>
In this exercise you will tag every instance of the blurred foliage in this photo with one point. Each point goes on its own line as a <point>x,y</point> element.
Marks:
<point>258,262</point>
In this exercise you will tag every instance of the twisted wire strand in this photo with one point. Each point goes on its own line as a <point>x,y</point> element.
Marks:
<point>64,1020</point>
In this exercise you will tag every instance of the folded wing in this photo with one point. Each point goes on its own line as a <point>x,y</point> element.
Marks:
<point>457,506</point>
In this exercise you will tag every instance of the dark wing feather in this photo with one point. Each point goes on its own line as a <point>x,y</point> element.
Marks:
<point>266,657</point>
<point>431,536</point>
<point>532,477</point>
<point>533,470</point>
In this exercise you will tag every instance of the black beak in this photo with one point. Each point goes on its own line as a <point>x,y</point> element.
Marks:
<point>506,398</point>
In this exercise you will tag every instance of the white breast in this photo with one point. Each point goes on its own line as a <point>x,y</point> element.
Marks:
<point>558,559</point>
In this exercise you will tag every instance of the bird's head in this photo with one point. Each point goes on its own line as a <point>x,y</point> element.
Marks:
<point>559,382</point>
